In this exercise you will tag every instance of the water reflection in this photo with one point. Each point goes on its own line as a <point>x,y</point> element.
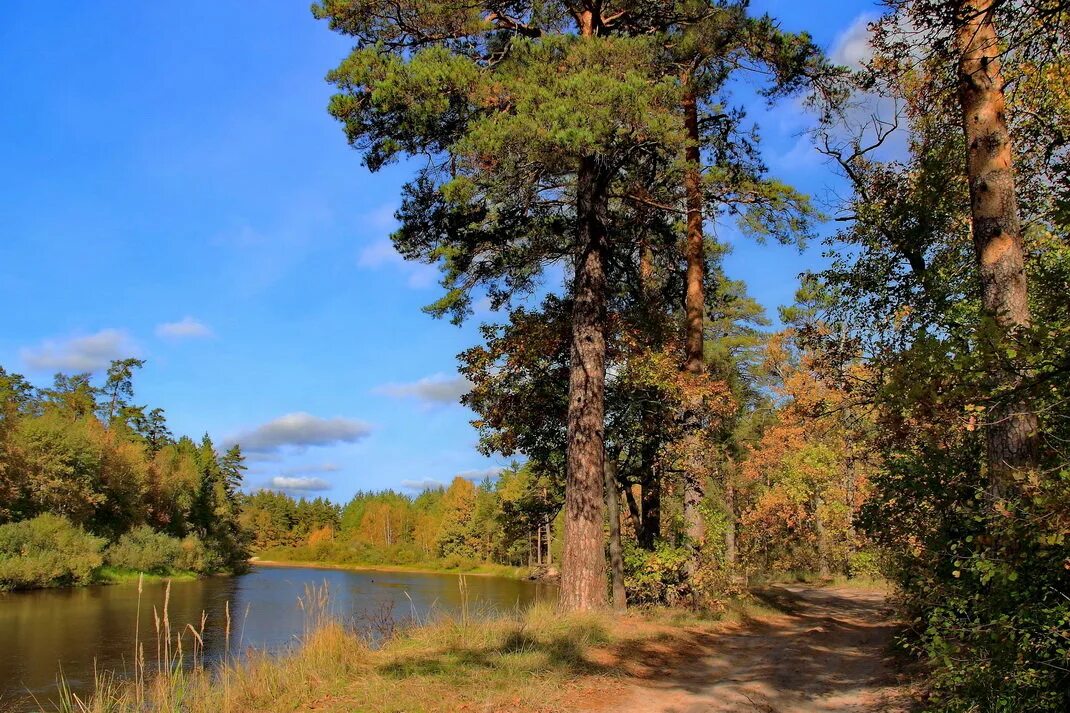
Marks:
<point>43,632</point>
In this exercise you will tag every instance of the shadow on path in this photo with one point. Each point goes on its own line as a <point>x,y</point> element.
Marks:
<point>826,651</point>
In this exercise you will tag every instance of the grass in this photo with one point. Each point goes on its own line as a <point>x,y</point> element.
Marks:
<point>119,575</point>
<point>531,661</point>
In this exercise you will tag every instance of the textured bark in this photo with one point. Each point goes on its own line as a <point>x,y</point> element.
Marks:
<point>694,298</point>
<point>583,576</point>
<point>616,555</point>
<point>997,235</point>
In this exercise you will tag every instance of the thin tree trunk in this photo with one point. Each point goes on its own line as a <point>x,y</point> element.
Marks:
<point>730,526</point>
<point>549,543</point>
<point>651,508</point>
<point>538,545</point>
<point>694,299</point>
<point>616,557</point>
<point>650,483</point>
<point>635,515</point>
<point>1012,441</point>
<point>583,577</point>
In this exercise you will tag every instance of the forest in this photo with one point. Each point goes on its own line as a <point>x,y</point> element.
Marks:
<point>906,417</point>
<point>93,486</point>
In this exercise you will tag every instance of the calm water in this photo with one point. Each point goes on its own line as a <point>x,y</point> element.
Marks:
<point>46,630</point>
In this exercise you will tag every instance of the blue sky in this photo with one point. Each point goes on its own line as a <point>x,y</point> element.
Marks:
<point>171,187</point>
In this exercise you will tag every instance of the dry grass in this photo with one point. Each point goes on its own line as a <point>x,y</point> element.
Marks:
<point>536,660</point>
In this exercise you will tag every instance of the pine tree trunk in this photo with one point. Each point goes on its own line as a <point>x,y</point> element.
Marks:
<point>1012,441</point>
<point>583,576</point>
<point>616,556</point>
<point>694,298</point>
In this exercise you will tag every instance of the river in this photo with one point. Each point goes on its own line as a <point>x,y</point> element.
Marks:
<point>45,631</point>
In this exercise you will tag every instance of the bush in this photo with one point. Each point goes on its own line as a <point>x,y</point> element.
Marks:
<point>657,577</point>
<point>195,556</point>
<point>47,551</point>
<point>864,564</point>
<point>145,550</point>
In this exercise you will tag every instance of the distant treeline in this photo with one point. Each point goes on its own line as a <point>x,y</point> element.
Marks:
<point>506,521</point>
<point>90,480</point>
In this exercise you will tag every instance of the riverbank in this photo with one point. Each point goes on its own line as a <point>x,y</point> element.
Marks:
<point>806,648</point>
<point>119,575</point>
<point>477,570</point>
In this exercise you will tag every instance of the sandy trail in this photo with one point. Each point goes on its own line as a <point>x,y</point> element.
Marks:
<point>826,653</point>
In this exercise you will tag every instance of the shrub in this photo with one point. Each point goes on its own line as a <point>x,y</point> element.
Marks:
<point>657,577</point>
<point>145,550</point>
<point>864,564</point>
<point>47,551</point>
<point>195,556</point>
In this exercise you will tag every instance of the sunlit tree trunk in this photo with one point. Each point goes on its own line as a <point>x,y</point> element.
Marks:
<point>694,298</point>
<point>583,575</point>
<point>997,235</point>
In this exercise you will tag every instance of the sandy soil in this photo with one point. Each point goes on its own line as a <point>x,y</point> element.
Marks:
<point>828,652</point>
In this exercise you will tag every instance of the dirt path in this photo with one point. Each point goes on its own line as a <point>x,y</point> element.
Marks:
<point>826,652</point>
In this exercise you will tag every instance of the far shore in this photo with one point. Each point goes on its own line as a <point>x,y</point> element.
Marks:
<point>504,572</point>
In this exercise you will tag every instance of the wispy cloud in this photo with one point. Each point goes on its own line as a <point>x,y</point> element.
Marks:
<point>481,475</point>
<point>83,353</point>
<point>853,47</point>
<point>185,328</point>
<point>300,430</point>
<point>477,476</point>
<point>421,485</point>
<point>381,253</point>
<point>299,484</point>
<point>435,389</point>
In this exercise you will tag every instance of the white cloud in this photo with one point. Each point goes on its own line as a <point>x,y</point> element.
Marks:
<point>435,389</point>
<point>381,253</point>
<point>476,476</point>
<point>300,430</point>
<point>185,328</point>
<point>421,485</point>
<point>481,475</point>
<point>78,354</point>
<point>852,48</point>
<point>300,484</point>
